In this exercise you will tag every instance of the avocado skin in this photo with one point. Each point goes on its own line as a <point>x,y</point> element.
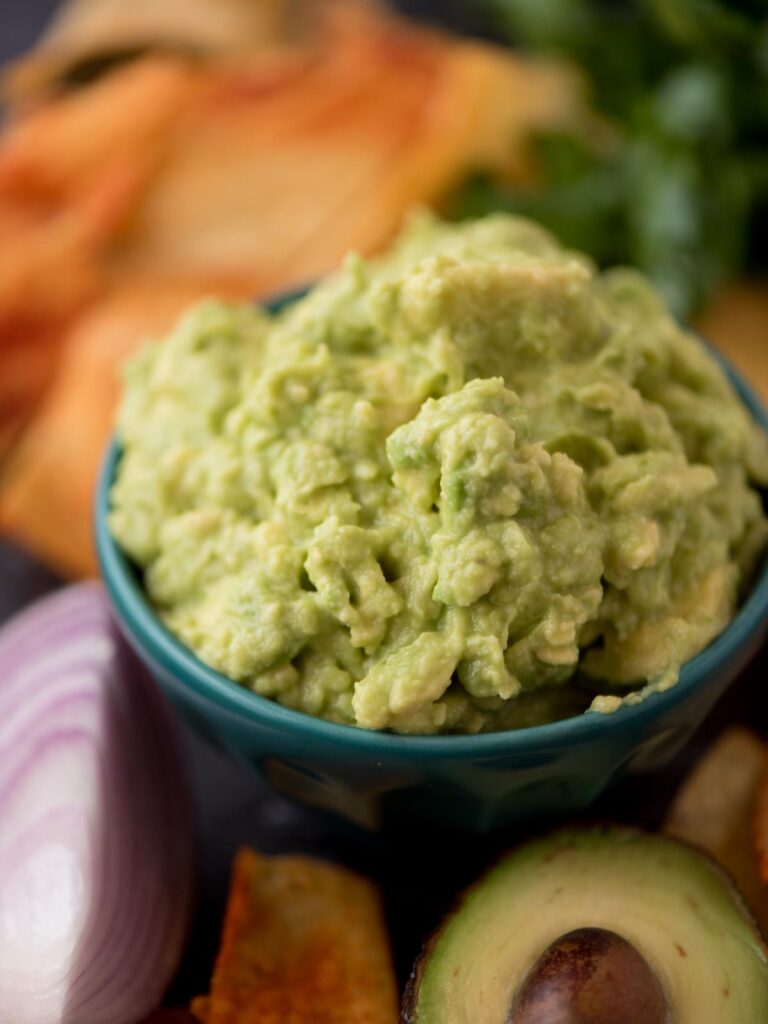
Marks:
<point>411,995</point>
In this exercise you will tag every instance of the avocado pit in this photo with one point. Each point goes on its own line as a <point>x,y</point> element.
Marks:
<point>590,976</point>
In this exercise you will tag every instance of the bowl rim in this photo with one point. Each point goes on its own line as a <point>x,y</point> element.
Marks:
<point>142,622</point>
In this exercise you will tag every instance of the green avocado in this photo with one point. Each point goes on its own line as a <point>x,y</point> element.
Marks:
<point>591,925</point>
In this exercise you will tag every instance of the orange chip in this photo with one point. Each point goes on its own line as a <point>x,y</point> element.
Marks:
<point>737,322</point>
<point>200,1008</point>
<point>761,833</point>
<point>65,190</point>
<point>85,32</point>
<point>51,478</point>
<point>59,148</point>
<point>283,173</point>
<point>242,176</point>
<point>303,943</point>
<point>717,805</point>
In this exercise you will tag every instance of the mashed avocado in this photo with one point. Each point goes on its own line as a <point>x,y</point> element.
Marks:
<point>472,485</point>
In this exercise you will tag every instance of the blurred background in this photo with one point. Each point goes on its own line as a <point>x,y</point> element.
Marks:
<point>153,153</point>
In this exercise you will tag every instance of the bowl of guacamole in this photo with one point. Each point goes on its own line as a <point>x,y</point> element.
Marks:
<point>469,491</point>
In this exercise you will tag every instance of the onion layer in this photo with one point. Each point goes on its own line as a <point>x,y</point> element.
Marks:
<point>95,837</point>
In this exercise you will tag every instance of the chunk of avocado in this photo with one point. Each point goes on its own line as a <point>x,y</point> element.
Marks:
<point>591,925</point>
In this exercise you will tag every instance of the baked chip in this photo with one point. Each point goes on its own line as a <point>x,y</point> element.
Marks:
<point>85,36</point>
<point>761,831</point>
<point>303,943</point>
<point>737,322</point>
<point>302,129</point>
<point>715,809</point>
<point>50,477</point>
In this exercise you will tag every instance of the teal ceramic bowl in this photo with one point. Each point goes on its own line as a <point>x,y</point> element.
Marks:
<point>377,779</point>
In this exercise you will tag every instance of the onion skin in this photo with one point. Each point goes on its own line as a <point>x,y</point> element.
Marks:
<point>95,823</point>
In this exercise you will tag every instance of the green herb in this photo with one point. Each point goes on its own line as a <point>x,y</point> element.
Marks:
<point>683,193</point>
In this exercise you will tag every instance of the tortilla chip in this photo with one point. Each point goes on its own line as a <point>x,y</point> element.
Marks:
<point>737,322</point>
<point>761,829</point>
<point>448,138</point>
<point>200,1008</point>
<point>66,187</point>
<point>716,806</point>
<point>285,179</point>
<point>119,121</point>
<point>303,941</point>
<point>245,176</point>
<point>47,275</point>
<point>51,478</point>
<point>85,31</point>
<point>331,151</point>
<point>29,350</point>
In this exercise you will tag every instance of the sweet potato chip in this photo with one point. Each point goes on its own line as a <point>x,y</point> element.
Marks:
<point>303,943</point>
<point>715,809</point>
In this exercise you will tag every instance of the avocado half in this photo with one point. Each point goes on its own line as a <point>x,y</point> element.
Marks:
<point>593,924</point>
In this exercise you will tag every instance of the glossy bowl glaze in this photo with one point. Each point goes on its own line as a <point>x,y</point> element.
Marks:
<point>470,782</point>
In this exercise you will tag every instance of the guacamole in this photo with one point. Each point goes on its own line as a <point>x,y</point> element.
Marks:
<point>471,485</point>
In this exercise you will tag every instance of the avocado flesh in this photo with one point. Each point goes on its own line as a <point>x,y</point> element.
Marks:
<point>673,904</point>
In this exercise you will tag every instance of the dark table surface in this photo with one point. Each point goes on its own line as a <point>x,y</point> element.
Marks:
<point>419,873</point>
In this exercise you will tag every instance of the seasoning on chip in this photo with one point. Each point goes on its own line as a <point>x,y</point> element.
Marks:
<point>303,941</point>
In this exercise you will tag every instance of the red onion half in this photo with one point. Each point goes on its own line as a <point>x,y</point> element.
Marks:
<point>95,837</point>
